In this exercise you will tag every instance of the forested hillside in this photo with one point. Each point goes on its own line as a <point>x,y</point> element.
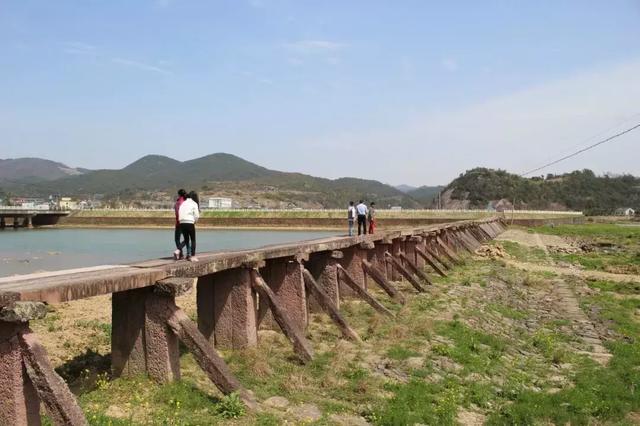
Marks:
<point>578,190</point>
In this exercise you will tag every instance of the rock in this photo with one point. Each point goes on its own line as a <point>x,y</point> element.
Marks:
<point>276,402</point>
<point>347,420</point>
<point>470,418</point>
<point>415,362</point>
<point>23,312</point>
<point>306,413</point>
<point>447,364</point>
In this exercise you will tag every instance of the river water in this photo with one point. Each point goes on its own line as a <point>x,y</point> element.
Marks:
<point>23,251</point>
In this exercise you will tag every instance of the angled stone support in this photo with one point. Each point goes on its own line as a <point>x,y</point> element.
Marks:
<point>431,262</point>
<point>431,249</point>
<point>60,404</point>
<point>471,239</point>
<point>227,309</point>
<point>364,294</point>
<point>462,241</point>
<point>410,267</point>
<point>19,402</point>
<point>448,251</point>
<point>386,285</point>
<point>26,376</point>
<point>205,355</point>
<point>284,278</point>
<point>301,345</point>
<point>403,271</point>
<point>329,307</point>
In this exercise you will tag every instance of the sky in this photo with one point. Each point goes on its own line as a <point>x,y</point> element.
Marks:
<point>405,91</point>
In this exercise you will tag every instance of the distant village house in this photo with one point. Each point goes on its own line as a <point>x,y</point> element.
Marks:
<point>499,205</point>
<point>67,203</point>
<point>625,211</point>
<point>220,203</point>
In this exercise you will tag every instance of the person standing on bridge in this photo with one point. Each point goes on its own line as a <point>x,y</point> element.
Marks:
<point>372,218</point>
<point>362,210</point>
<point>351,216</point>
<point>188,214</point>
<point>182,195</point>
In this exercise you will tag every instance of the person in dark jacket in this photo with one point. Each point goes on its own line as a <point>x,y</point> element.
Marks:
<point>182,195</point>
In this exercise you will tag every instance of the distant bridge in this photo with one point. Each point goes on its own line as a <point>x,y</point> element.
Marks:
<point>26,217</point>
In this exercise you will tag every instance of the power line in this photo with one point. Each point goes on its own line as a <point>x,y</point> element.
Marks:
<point>582,150</point>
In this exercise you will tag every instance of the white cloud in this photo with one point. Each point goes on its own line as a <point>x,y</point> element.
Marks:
<point>516,132</point>
<point>140,65</point>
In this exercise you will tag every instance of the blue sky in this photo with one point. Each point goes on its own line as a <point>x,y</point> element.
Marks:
<point>401,91</point>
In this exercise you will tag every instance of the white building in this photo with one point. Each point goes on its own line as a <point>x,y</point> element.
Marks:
<point>627,211</point>
<point>66,203</point>
<point>220,203</point>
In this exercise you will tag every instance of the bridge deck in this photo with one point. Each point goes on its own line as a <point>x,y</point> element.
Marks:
<point>62,286</point>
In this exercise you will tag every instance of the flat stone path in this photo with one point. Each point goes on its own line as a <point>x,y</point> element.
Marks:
<point>567,302</point>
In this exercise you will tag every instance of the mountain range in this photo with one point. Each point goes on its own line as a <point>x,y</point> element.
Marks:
<point>217,174</point>
<point>153,180</point>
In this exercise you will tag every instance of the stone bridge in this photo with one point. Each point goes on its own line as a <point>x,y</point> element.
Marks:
<point>237,293</point>
<point>20,217</point>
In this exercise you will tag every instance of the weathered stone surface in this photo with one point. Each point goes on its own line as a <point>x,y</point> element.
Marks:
<point>160,343</point>
<point>278,402</point>
<point>364,294</point>
<point>19,403</point>
<point>59,402</point>
<point>330,308</point>
<point>174,286</point>
<point>306,413</point>
<point>411,267</point>
<point>206,357</point>
<point>128,357</point>
<point>389,288</point>
<point>227,309</point>
<point>301,345</point>
<point>352,263</point>
<point>406,274</point>
<point>140,339</point>
<point>347,420</point>
<point>23,312</point>
<point>324,268</point>
<point>284,277</point>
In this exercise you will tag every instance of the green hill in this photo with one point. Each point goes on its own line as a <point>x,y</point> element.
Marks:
<point>578,190</point>
<point>426,194</point>
<point>217,173</point>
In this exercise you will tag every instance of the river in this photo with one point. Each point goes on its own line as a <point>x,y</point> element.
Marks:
<point>24,251</point>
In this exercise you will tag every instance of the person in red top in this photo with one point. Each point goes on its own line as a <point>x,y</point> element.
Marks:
<point>182,195</point>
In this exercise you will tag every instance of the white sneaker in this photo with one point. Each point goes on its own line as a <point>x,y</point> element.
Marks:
<point>176,254</point>
<point>193,259</point>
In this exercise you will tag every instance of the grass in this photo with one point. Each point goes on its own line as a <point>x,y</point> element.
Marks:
<point>524,253</point>
<point>481,346</point>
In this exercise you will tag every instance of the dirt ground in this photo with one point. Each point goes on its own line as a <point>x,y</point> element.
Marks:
<point>532,239</point>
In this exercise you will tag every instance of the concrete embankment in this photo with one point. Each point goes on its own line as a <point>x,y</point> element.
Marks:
<point>320,223</point>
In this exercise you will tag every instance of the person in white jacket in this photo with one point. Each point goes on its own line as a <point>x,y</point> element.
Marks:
<point>188,215</point>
